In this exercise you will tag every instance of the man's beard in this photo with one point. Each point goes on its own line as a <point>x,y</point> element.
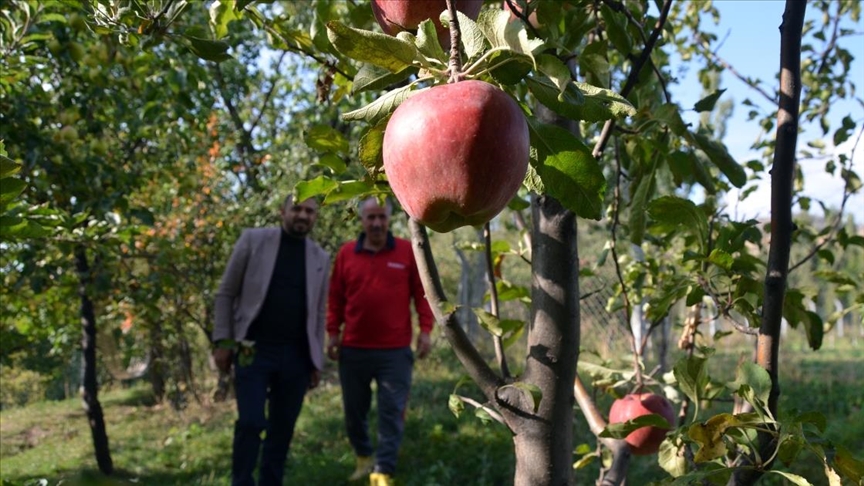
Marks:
<point>303,229</point>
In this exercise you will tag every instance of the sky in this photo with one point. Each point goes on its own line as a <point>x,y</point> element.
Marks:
<point>752,46</point>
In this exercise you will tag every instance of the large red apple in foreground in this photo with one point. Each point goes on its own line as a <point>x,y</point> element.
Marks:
<point>456,154</point>
<point>645,440</point>
<point>394,16</point>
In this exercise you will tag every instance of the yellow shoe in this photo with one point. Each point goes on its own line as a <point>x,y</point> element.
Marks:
<point>380,479</point>
<point>364,466</point>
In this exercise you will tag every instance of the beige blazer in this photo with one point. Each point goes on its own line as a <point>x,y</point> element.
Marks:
<point>247,276</point>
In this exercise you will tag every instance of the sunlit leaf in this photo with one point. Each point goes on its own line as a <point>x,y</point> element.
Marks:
<point>326,139</point>
<point>375,48</point>
<point>568,170</point>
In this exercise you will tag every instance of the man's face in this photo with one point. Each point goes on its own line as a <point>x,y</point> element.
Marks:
<point>298,219</point>
<point>375,222</point>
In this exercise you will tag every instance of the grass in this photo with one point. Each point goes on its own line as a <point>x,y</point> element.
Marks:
<point>156,445</point>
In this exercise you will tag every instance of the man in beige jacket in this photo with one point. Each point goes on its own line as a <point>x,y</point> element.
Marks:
<point>273,294</point>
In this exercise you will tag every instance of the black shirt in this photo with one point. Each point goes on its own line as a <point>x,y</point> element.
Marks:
<point>282,319</point>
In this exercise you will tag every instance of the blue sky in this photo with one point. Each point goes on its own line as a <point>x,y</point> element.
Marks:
<point>752,46</point>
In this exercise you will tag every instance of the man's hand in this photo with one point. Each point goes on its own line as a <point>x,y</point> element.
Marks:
<point>333,345</point>
<point>424,344</point>
<point>314,379</point>
<point>222,357</point>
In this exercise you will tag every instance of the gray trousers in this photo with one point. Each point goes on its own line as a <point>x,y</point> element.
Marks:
<point>391,369</point>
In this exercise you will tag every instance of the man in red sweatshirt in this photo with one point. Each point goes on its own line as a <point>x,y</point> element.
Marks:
<point>369,332</point>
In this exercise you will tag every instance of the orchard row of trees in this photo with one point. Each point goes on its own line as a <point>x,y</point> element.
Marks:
<point>140,138</point>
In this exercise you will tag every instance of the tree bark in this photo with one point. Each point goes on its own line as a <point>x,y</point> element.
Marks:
<point>544,440</point>
<point>782,176</point>
<point>157,362</point>
<point>90,387</point>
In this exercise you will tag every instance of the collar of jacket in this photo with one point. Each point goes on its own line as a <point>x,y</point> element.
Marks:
<point>391,242</point>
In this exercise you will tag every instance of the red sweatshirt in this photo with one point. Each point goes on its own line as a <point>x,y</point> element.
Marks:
<point>370,293</point>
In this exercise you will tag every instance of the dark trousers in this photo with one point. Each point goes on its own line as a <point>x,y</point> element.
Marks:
<point>278,376</point>
<point>391,370</point>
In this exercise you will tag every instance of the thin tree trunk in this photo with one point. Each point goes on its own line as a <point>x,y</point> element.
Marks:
<point>157,362</point>
<point>90,387</point>
<point>782,176</point>
<point>544,440</point>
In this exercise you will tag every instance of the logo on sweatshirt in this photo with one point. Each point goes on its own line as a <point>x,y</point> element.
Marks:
<point>398,265</point>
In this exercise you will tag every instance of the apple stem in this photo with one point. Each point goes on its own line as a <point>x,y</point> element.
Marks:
<point>455,35</point>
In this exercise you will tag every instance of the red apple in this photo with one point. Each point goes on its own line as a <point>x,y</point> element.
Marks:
<point>394,16</point>
<point>645,440</point>
<point>455,154</point>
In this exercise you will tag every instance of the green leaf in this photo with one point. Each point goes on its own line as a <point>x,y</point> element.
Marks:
<point>455,405</point>
<point>721,259</point>
<point>427,42</point>
<point>623,429</point>
<point>556,71</point>
<point>753,384</point>
<point>718,154</point>
<point>509,68</point>
<point>616,29</point>
<point>692,377</point>
<point>790,447</point>
<point>333,162</point>
<point>382,107</point>
<point>371,77</point>
<point>532,391</point>
<point>670,460</point>
<point>494,325</point>
<point>845,131</point>
<point>500,32</point>
<point>222,12</point>
<point>603,104</point>
<point>8,167</point>
<point>707,103</point>
<point>318,186</point>
<point>325,138</point>
<point>371,149</point>
<point>847,465</point>
<point>639,203</point>
<point>793,478</point>
<point>15,228</point>
<point>350,189</point>
<point>669,213</point>
<point>507,291</point>
<point>568,104</point>
<point>594,63</point>
<point>568,170</point>
<point>375,48</point>
<point>10,188</point>
<point>709,435</point>
<point>471,36</point>
<point>209,50</point>
<point>669,115</point>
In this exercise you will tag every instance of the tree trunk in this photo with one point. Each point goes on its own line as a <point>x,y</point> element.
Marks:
<point>157,362</point>
<point>782,177</point>
<point>544,440</point>
<point>90,387</point>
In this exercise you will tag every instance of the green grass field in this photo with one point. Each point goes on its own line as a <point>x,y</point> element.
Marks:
<point>157,445</point>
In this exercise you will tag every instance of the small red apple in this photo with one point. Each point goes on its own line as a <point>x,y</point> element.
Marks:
<point>455,154</point>
<point>645,440</point>
<point>394,16</point>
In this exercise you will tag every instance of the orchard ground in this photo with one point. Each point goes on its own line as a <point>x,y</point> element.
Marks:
<point>158,445</point>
